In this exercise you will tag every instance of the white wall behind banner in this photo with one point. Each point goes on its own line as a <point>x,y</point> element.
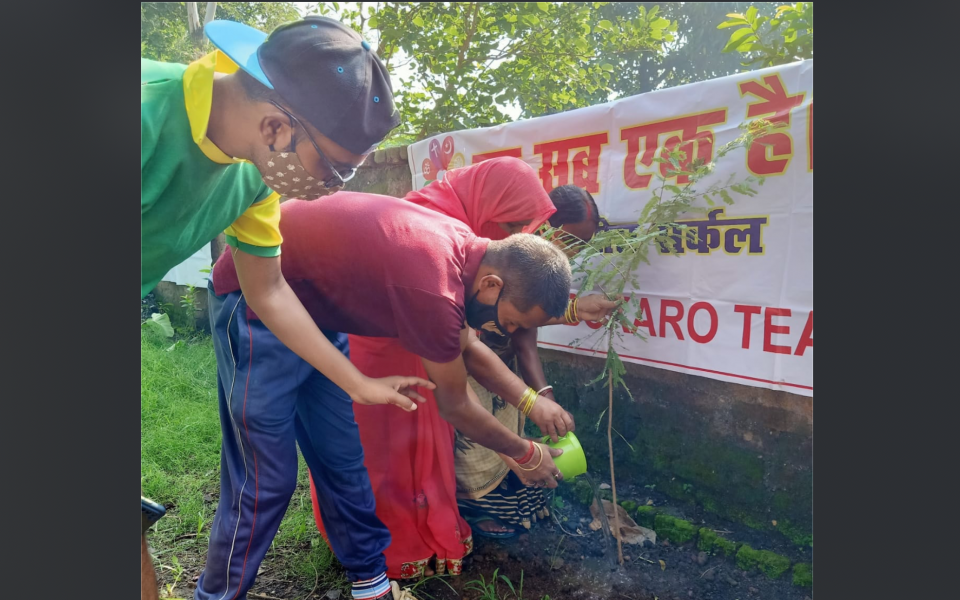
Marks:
<point>740,306</point>
<point>189,271</point>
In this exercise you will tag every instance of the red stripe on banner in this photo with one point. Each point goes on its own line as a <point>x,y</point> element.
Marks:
<point>660,362</point>
<point>256,471</point>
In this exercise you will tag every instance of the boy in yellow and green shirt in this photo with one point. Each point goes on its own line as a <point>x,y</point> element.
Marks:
<point>223,139</point>
<point>191,191</point>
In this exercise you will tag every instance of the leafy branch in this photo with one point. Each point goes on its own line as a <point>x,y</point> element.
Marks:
<point>767,42</point>
<point>609,261</point>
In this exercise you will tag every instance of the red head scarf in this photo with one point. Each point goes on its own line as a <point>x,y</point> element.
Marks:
<point>498,190</point>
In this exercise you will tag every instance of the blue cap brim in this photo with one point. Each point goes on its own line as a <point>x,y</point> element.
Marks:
<point>240,42</point>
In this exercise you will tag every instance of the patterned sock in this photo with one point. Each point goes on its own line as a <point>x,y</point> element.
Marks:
<point>378,587</point>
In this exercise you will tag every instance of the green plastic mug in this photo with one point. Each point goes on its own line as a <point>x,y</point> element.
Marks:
<point>572,462</point>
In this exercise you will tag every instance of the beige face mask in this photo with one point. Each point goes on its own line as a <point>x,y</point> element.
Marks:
<point>284,173</point>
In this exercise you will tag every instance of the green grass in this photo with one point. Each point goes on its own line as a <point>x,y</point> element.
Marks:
<point>180,465</point>
<point>179,424</point>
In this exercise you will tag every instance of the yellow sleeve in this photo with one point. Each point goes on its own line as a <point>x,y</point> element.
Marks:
<point>257,230</point>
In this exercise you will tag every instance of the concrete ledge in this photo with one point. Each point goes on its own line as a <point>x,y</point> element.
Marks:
<point>389,156</point>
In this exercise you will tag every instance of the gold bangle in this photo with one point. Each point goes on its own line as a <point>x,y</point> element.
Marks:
<point>530,404</point>
<point>524,401</point>
<point>538,462</point>
<point>527,401</point>
<point>570,315</point>
<point>528,394</point>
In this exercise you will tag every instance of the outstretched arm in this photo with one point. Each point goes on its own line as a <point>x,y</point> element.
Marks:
<point>470,418</point>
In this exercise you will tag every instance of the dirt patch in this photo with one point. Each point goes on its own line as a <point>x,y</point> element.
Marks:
<point>576,566</point>
<point>565,561</point>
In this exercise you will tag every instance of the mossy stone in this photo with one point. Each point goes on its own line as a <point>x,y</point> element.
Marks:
<point>710,542</point>
<point>803,575</point>
<point>646,516</point>
<point>676,530</point>
<point>773,565</point>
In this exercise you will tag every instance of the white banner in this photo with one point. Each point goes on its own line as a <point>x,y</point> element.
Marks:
<point>738,306</point>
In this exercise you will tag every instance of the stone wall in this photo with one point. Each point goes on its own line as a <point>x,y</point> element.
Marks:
<point>742,452</point>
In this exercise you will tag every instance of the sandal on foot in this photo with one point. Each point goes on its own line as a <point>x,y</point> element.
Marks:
<point>474,521</point>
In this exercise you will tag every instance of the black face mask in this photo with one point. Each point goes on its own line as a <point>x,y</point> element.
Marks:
<point>484,316</point>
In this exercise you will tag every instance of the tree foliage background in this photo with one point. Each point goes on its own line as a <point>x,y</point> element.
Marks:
<point>462,65</point>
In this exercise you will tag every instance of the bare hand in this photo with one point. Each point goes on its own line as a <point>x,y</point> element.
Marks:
<point>551,418</point>
<point>595,307</point>
<point>396,390</point>
<point>546,475</point>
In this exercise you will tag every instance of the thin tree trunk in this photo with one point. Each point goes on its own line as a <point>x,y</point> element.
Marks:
<point>193,20</point>
<point>217,246</point>
<point>211,11</point>
<point>613,479</point>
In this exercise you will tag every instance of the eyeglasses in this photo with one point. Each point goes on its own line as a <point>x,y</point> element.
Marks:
<point>340,176</point>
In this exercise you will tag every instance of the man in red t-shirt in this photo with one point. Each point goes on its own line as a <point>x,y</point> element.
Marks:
<point>374,266</point>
